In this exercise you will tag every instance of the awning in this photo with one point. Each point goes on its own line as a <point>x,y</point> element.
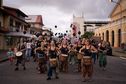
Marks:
<point>19,34</point>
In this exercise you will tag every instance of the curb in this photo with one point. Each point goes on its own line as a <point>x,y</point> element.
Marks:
<point>3,60</point>
<point>124,58</point>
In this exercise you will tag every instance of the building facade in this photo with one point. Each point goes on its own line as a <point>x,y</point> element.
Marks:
<point>79,25</point>
<point>115,31</point>
<point>36,23</point>
<point>92,25</point>
<point>13,28</point>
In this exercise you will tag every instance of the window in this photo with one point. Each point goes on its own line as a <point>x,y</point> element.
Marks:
<point>9,41</point>
<point>11,22</point>
<point>0,24</point>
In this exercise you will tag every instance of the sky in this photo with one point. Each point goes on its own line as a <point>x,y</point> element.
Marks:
<point>60,12</point>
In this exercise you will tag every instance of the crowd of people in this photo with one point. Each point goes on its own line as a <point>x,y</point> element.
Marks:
<point>54,56</point>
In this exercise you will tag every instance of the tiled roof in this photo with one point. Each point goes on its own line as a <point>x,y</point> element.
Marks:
<point>15,9</point>
<point>34,19</point>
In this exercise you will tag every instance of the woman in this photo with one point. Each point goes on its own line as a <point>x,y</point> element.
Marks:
<point>41,55</point>
<point>102,55</point>
<point>87,65</point>
<point>53,61</point>
<point>79,56</point>
<point>64,58</point>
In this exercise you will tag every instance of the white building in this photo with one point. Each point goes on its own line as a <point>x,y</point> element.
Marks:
<point>79,24</point>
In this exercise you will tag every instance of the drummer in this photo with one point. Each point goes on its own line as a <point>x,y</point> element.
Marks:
<point>20,59</point>
<point>53,61</point>
<point>64,51</point>
<point>79,46</point>
<point>41,59</point>
<point>87,51</point>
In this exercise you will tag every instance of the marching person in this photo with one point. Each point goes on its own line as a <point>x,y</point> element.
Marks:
<point>64,58</point>
<point>72,54</point>
<point>41,55</point>
<point>87,65</point>
<point>53,61</point>
<point>10,54</point>
<point>28,50</point>
<point>94,54</point>
<point>20,59</point>
<point>79,56</point>
<point>102,55</point>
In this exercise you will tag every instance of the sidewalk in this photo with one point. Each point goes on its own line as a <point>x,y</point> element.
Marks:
<point>119,52</point>
<point>3,55</point>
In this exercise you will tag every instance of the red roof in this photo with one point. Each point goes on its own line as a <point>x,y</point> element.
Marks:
<point>34,19</point>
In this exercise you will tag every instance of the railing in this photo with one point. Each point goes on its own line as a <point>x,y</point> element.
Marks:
<point>14,29</point>
<point>3,29</point>
<point>20,30</point>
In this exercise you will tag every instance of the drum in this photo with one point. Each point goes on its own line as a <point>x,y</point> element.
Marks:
<point>19,54</point>
<point>79,56</point>
<point>53,62</point>
<point>87,60</point>
<point>63,57</point>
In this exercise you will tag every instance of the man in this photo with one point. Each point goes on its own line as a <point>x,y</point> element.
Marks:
<point>28,50</point>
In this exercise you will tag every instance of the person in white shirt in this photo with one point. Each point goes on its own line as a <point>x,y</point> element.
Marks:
<point>28,50</point>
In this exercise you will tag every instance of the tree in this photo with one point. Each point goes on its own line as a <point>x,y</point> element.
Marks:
<point>87,35</point>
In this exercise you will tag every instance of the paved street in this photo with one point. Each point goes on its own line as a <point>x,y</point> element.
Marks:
<point>115,74</point>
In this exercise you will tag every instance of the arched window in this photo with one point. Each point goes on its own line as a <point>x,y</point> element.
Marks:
<point>119,37</point>
<point>113,39</point>
<point>107,35</point>
<point>99,34</point>
<point>103,36</point>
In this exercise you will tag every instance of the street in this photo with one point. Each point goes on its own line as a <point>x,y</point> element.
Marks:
<point>115,73</point>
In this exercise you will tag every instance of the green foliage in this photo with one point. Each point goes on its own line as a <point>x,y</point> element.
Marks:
<point>87,35</point>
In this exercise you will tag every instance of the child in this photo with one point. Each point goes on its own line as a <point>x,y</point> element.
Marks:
<point>10,54</point>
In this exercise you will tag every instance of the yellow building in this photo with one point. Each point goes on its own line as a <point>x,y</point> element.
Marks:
<point>115,31</point>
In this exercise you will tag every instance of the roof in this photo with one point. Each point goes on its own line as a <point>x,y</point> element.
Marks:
<point>15,9</point>
<point>7,12</point>
<point>115,7</point>
<point>34,19</point>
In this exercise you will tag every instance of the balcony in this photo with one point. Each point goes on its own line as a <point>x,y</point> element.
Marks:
<point>14,29</point>
<point>18,32</point>
<point>4,30</point>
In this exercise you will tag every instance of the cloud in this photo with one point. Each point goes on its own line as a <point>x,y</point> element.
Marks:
<point>99,8</point>
<point>59,12</point>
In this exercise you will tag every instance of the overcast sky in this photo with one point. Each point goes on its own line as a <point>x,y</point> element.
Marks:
<point>60,12</point>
